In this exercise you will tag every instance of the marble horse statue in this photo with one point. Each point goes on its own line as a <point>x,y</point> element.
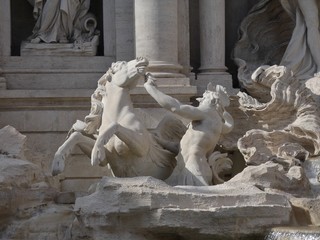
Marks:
<point>113,134</point>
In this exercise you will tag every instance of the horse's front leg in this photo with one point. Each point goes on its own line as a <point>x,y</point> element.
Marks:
<point>98,154</point>
<point>75,139</point>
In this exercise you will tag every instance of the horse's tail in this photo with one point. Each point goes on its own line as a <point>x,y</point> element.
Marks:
<point>228,123</point>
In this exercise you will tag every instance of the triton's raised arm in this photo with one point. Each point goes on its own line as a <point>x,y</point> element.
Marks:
<point>170,103</point>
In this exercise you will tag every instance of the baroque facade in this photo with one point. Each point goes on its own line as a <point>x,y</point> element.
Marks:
<point>254,153</point>
<point>42,93</point>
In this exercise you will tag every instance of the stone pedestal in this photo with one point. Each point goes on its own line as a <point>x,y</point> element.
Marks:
<point>212,45</point>
<point>60,49</point>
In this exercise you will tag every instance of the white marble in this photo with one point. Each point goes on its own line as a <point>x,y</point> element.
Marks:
<point>113,134</point>
<point>208,121</point>
<point>62,21</point>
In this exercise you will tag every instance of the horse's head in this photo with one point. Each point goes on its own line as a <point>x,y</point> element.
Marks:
<point>127,74</point>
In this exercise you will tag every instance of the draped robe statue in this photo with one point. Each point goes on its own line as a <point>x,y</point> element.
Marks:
<point>302,55</point>
<point>58,20</point>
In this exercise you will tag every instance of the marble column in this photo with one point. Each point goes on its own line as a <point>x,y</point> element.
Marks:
<point>156,36</point>
<point>212,45</point>
<point>5,28</point>
<point>5,36</point>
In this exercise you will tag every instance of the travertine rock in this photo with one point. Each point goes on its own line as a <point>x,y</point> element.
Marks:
<point>273,176</point>
<point>146,208</point>
<point>311,209</point>
<point>46,221</point>
<point>18,173</point>
<point>289,122</point>
<point>12,142</point>
<point>24,191</point>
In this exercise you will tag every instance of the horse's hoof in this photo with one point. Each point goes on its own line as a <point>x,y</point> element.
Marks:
<point>57,165</point>
<point>97,156</point>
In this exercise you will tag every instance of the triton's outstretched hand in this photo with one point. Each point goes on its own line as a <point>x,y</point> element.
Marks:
<point>150,80</point>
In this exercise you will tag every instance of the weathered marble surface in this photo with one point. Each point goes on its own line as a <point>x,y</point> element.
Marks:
<point>61,49</point>
<point>112,134</point>
<point>289,121</point>
<point>63,28</point>
<point>146,208</point>
<point>209,121</point>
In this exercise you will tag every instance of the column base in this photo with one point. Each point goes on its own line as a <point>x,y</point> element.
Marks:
<point>162,69</point>
<point>3,83</point>
<point>216,78</point>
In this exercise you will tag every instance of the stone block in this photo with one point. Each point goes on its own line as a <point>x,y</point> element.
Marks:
<point>146,208</point>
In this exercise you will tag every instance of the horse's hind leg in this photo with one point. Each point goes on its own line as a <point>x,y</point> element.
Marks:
<point>137,142</point>
<point>76,139</point>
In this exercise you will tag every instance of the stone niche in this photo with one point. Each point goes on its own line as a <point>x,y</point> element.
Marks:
<point>23,22</point>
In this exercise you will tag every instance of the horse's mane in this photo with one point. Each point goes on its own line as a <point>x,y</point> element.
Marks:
<point>93,119</point>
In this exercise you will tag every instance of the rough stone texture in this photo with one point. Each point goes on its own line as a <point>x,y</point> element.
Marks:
<point>12,142</point>
<point>273,176</point>
<point>18,173</point>
<point>312,169</point>
<point>65,198</point>
<point>146,208</point>
<point>309,213</point>
<point>46,221</point>
<point>22,190</point>
<point>289,120</point>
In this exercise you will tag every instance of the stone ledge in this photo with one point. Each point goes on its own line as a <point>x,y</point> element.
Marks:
<point>80,98</point>
<point>145,206</point>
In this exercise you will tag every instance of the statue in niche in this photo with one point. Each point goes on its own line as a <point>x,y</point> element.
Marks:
<point>209,121</point>
<point>113,134</point>
<point>64,22</point>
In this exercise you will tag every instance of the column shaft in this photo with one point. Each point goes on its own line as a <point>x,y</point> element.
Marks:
<point>5,28</point>
<point>156,35</point>
<point>212,35</point>
<point>212,46</point>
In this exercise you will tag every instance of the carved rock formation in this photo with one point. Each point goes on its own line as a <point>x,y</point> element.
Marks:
<point>146,208</point>
<point>289,122</point>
